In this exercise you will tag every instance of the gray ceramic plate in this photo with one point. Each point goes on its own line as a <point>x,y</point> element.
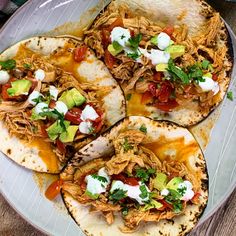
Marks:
<point>18,184</point>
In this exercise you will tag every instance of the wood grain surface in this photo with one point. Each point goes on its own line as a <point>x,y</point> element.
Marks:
<point>222,223</point>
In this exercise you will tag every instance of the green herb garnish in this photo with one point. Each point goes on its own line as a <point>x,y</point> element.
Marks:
<point>126,145</point>
<point>128,96</point>
<point>144,193</point>
<point>27,66</point>
<point>134,41</point>
<point>173,198</point>
<point>125,210</point>
<point>144,174</point>
<point>134,55</point>
<point>8,65</point>
<point>100,178</point>
<point>116,46</point>
<point>143,128</point>
<point>230,96</point>
<point>117,195</point>
<point>205,64</point>
<point>182,191</point>
<point>38,99</point>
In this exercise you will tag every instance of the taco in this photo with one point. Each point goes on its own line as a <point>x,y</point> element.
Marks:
<point>171,57</point>
<point>55,97</point>
<point>143,177</point>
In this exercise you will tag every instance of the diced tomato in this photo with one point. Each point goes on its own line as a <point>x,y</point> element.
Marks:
<point>132,33</point>
<point>54,189</point>
<point>195,198</point>
<point>118,22</point>
<point>73,115</point>
<point>61,146</point>
<point>165,205</point>
<point>98,123</point>
<point>165,91</point>
<point>109,59</point>
<point>158,76</point>
<point>173,175</point>
<point>80,53</point>
<point>167,106</point>
<point>152,89</point>
<point>168,30</point>
<point>127,180</point>
<point>6,96</point>
<point>215,77</point>
<point>52,104</point>
<point>146,97</point>
<point>105,38</point>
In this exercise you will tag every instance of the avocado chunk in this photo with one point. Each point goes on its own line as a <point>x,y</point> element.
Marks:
<point>151,205</point>
<point>174,183</point>
<point>92,196</point>
<point>115,48</point>
<point>19,87</point>
<point>175,51</point>
<point>208,75</point>
<point>69,134</point>
<point>160,181</point>
<point>161,67</point>
<point>154,40</point>
<point>56,129</point>
<point>72,98</point>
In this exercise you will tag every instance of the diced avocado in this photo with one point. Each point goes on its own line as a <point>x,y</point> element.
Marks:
<point>160,181</point>
<point>175,51</point>
<point>161,67</point>
<point>154,40</point>
<point>115,48</point>
<point>92,196</point>
<point>19,87</point>
<point>56,129</point>
<point>175,194</point>
<point>152,204</point>
<point>72,98</point>
<point>69,134</point>
<point>208,75</point>
<point>174,183</point>
<point>35,116</point>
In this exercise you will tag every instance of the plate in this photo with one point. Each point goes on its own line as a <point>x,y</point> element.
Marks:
<point>18,185</point>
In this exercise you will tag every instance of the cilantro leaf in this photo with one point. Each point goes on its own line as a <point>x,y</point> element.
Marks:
<point>128,96</point>
<point>134,55</point>
<point>230,96</point>
<point>182,191</point>
<point>173,198</point>
<point>26,66</point>
<point>143,128</point>
<point>144,193</point>
<point>205,64</point>
<point>134,41</point>
<point>8,65</point>
<point>100,178</point>
<point>125,210</point>
<point>177,72</point>
<point>144,174</point>
<point>38,99</point>
<point>126,145</point>
<point>117,195</point>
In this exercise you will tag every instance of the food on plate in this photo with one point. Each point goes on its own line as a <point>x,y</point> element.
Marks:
<point>55,97</point>
<point>144,177</point>
<point>171,57</point>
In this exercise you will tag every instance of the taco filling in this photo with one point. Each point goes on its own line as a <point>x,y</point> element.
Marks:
<point>133,183</point>
<point>40,101</point>
<point>163,68</point>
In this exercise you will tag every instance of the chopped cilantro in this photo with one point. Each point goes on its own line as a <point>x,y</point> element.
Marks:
<point>230,96</point>
<point>182,191</point>
<point>205,64</point>
<point>26,66</point>
<point>144,193</point>
<point>126,145</point>
<point>134,55</point>
<point>173,198</point>
<point>194,72</point>
<point>177,73</point>
<point>128,96</point>
<point>144,174</point>
<point>38,99</point>
<point>143,128</point>
<point>100,178</point>
<point>117,195</point>
<point>134,41</point>
<point>8,65</point>
<point>125,210</point>
<point>91,130</point>
<point>122,36</point>
<point>141,79</point>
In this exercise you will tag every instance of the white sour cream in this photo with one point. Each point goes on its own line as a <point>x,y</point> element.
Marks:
<point>61,107</point>
<point>132,191</point>
<point>85,127</point>
<point>89,113</point>
<point>163,41</point>
<point>95,186</point>
<point>53,91</point>
<point>188,194</point>
<point>4,77</point>
<point>39,74</point>
<point>209,85</point>
<point>165,192</point>
<point>40,107</point>
<point>120,35</point>
<point>34,95</point>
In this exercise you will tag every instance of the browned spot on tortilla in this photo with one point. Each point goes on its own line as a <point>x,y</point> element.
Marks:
<point>9,151</point>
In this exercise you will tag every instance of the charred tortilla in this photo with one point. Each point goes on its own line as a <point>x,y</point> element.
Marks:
<point>177,92</point>
<point>133,144</point>
<point>69,79</point>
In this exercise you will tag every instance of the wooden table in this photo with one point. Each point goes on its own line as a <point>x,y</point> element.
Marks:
<point>222,223</point>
